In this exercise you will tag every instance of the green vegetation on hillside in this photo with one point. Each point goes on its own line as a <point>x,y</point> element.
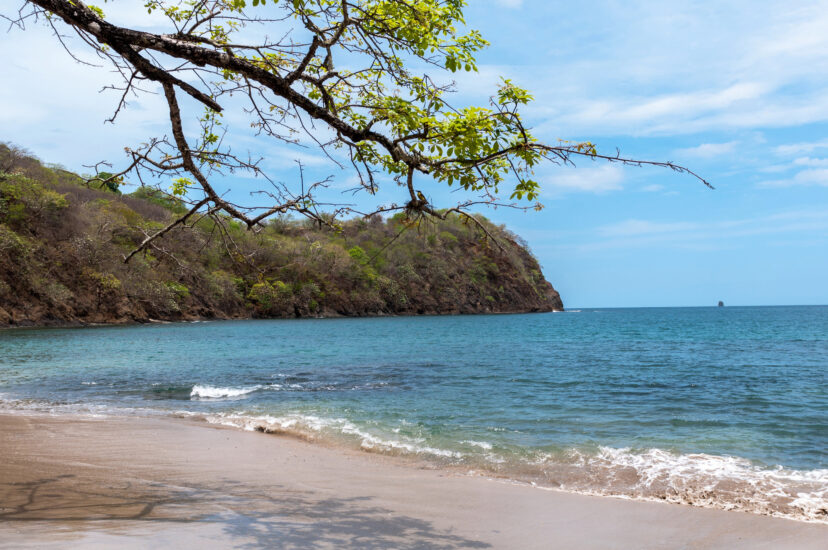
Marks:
<point>62,245</point>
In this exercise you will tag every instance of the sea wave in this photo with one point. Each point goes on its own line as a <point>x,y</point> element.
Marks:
<point>712,481</point>
<point>216,392</point>
<point>723,482</point>
<point>485,445</point>
<point>10,404</point>
<point>313,427</point>
<point>203,391</point>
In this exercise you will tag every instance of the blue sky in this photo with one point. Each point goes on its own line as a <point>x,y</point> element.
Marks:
<point>737,91</point>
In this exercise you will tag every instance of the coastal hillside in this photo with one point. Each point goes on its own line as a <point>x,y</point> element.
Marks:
<point>62,248</point>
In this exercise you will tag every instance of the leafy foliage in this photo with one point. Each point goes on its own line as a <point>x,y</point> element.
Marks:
<point>346,75</point>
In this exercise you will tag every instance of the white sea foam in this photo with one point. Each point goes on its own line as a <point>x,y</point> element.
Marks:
<point>406,445</point>
<point>712,481</point>
<point>725,482</point>
<point>481,444</point>
<point>214,392</point>
<point>310,426</point>
<point>12,405</point>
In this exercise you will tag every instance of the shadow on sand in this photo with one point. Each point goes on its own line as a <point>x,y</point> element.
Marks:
<point>248,517</point>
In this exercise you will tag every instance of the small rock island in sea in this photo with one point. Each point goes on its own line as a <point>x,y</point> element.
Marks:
<point>62,245</point>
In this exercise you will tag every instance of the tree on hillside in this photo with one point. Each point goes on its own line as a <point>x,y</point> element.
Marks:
<point>351,75</point>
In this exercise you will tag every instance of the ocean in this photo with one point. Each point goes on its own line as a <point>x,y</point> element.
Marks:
<point>717,407</point>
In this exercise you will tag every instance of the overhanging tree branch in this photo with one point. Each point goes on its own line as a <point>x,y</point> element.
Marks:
<point>385,119</point>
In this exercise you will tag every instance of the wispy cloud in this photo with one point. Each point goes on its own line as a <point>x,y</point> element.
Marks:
<point>598,179</point>
<point>679,105</point>
<point>629,228</point>
<point>653,188</point>
<point>809,161</point>
<point>700,67</point>
<point>816,176</point>
<point>708,150</point>
<point>719,233</point>
<point>745,107</point>
<point>801,148</point>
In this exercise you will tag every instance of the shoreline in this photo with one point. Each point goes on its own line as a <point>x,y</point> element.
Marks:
<point>761,492</point>
<point>130,480</point>
<point>61,324</point>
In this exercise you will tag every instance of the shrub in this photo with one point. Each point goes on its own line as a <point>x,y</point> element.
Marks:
<point>180,291</point>
<point>448,238</point>
<point>222,285</point>
<point>158,298</point>
<point>106,284</point>
<point>130,217</point>
<point>358,255</point>
<point>477,273</point>
<point>19,194</point>
<point>407,275</point>
<point>13,244</point>
<point>113,185</point>
<point>56,293</point>
<point>164,200</point>
<point>391,292</point>
<point>272,297</point>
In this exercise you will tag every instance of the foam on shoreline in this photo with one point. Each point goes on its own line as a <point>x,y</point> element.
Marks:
<point>710,481</point>
<point>94,484</point>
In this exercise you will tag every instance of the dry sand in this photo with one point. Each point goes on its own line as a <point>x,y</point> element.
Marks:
<point>72,482</point>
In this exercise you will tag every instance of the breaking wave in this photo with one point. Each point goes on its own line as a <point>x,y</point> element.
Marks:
<point>213,392</point>
<point>203,391</point>
<point>705,480</point>
<point>724,482</point>
<point>711,481</point>
<point>313,427</point>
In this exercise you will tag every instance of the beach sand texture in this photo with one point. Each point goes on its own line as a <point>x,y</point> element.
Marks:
<point>76,482</point>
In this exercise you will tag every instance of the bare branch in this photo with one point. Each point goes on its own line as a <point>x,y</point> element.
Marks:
<point>167,229</point>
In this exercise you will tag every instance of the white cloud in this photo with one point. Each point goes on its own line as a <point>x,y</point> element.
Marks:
<point>816,176</point>
<point>57,109</point>
<point>706,234</point>
<point>653,188</point>
<point>774,169</point>
<point>598,179</point>
<point>693,102</point>
<point>671,68</point>
<point>809,161</point>
<point>801,148</point>
<point>708,150</point>
<point>663,69</point>
<point>284,155</point>
<point>630,228</point>
<point>745,106</point>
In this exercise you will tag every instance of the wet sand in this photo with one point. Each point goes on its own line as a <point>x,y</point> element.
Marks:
<point>73,482</point>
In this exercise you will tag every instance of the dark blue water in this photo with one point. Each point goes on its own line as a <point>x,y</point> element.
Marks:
<point>701,405</point>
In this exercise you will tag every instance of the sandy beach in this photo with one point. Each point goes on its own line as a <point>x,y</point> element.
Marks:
<point>77,482</point>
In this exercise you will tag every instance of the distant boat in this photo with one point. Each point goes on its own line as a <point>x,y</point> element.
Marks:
<point>721,304</point>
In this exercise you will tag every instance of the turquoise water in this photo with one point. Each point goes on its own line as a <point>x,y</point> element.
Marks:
<point>723,407</point>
